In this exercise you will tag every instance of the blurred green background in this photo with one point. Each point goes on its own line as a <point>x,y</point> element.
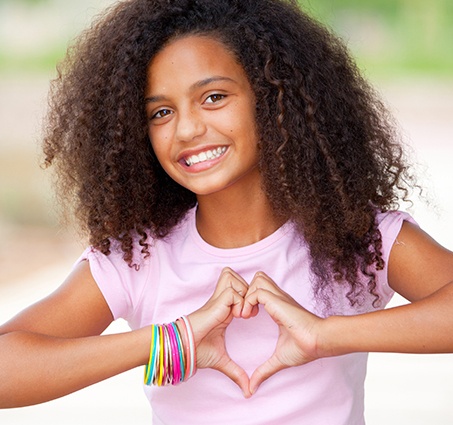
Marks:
<point>394,37</point>
<point>387,37</point>
<point>397,43</point>
<point>34,34</point>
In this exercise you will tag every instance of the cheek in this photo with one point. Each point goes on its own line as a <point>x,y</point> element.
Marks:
<point>159,142</point>
<point>159,155</point>
<point>163,154</point>
<point>247,123</point>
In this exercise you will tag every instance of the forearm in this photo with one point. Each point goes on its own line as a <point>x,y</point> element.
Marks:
<point>424,326</point>
<point>37,368</point>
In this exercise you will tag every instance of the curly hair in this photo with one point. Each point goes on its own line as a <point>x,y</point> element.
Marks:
<point>330,156</point>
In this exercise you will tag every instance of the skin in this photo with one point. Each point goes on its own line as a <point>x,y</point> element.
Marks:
<point>209,106</point>
<point>212,105</point>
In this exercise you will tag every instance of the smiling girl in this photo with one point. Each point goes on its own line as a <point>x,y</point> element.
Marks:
<point>239,182</point>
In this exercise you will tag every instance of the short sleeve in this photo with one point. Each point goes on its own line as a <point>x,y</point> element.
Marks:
<point>121,285</point>
<point>390,224</point>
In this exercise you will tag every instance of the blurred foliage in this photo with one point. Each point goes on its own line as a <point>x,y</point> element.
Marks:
<point>388,37</point>
<point>26,2</point>
<point>34,34</point>
<point>392,37</point>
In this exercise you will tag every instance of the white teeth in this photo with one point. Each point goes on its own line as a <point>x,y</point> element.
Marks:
<point>205,156</point>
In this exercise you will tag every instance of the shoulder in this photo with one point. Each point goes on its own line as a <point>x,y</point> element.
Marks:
<point>392,221</point>
<point>120,283</point>
<point>78,297</point>
<point>124,284</point>
<point>418,265</point>
<point>390,224</point>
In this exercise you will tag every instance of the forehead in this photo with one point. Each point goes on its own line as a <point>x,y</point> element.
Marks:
<point>190,59</point>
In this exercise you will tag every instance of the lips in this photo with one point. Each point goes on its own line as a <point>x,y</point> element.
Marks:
<point>204,156</point>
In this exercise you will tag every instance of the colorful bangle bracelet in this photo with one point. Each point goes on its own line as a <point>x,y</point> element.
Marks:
<point>175,361</point>
<point>150,367</point>
<point>192,369</point>
<point>186,346</point>
<point>161,356</point>
<point>166,375</point>
<point>180,351</point>
<point>172,356</point>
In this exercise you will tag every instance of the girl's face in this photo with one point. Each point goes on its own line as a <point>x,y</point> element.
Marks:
<point>201,116</point>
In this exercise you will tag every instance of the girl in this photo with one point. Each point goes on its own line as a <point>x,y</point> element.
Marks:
<point>229,164</point>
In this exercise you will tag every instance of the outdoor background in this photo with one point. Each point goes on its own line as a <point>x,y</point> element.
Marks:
<point>403,46</point>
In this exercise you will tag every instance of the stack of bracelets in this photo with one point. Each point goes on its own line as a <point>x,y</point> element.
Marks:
<point>172,357</point>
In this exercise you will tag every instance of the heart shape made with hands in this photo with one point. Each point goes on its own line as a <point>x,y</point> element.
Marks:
<point>251,342</point>
<point>272,336</point>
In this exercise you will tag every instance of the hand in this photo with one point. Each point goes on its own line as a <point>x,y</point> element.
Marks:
<point>297,342</point>
<point>210,322</point>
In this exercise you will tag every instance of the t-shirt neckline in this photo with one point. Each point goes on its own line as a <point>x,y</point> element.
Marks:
<point>234,252</point>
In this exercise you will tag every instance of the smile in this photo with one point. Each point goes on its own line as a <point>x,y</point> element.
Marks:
<point>205,156</point>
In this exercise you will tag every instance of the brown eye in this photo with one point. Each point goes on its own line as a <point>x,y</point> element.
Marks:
<point>162,113</point>
<point>213,98</point>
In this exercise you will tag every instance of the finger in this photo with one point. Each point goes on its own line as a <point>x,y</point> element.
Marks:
<point>238,375</point>
<point>228,303</point>
<point>230,279</point>
<point>218,311</point>
<point>262,281</point>
<point>256,297</point>
<point>265,371</point>
<point>283,310</point>
<point>232,299</point>
<point>252,313</point>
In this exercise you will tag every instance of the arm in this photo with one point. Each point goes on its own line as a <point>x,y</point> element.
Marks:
<point>55,345</point>
<point>419,269</point>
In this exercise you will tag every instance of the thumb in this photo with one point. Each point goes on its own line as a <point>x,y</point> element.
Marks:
<point>266,370</point>
<point>238,375</point>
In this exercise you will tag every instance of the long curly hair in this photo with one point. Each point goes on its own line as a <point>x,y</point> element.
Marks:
<point>330,156</point>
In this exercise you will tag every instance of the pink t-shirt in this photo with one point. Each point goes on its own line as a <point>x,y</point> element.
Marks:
<point>180,276</point>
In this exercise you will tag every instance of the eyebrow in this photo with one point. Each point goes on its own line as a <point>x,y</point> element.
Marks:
<point>196,85</point>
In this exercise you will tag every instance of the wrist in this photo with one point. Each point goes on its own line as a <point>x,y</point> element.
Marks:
<point>172,353</point>
<point>332,340</point>
<point>144,341</point>
<point>199,326</point>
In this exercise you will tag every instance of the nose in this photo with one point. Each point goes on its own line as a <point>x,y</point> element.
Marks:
<point>190,124</point>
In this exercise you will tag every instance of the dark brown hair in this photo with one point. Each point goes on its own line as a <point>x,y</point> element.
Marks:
<point>330,157</point>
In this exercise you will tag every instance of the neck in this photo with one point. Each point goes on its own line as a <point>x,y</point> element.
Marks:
<point>236,220</point>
